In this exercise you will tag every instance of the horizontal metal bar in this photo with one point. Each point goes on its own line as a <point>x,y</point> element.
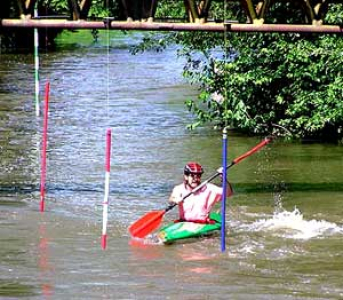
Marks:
<point>284,28</point>
<point>160,26</point>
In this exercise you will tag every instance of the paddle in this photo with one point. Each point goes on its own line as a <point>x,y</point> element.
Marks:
<point>152,220</point>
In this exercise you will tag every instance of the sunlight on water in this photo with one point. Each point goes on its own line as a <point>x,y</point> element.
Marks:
<point>293,225</point>
<point>150,240</point>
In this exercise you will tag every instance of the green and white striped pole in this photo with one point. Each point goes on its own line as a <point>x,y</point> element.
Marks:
<point>36,59</point>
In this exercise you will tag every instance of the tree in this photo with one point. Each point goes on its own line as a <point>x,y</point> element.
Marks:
<point>258,83</point>
<point>287,80</point>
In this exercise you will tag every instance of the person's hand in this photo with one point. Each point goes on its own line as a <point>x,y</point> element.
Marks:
<point>220,170</point>
<point>176,200</point>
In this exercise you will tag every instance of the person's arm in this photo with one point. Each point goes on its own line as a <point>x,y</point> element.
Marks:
<point>175,197</point>
<point>229,190</point>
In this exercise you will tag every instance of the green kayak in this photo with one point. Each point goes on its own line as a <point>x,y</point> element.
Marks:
<point>184,230</point>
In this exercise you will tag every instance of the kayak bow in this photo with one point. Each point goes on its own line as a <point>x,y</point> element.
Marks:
<point>184,230</point>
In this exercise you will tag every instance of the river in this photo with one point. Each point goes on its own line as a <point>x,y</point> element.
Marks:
<point>284,222</point>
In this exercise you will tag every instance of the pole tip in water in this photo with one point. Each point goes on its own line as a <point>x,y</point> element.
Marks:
<point>104,241</point>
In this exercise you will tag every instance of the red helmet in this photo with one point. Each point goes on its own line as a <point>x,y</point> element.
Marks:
<point>193,168</point>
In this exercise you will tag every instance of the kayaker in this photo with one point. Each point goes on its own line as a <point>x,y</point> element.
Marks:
<point>197,206</point>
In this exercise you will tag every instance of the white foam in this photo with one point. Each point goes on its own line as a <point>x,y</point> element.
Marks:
<point>292,225</point>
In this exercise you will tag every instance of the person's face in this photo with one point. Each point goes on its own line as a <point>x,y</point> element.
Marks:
<point>193,180</point>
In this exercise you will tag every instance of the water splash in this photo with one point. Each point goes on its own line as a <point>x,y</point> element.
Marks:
<point>150,240</point>
<point>293,225</point>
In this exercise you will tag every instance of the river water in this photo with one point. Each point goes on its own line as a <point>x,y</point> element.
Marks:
<point>284,223</point>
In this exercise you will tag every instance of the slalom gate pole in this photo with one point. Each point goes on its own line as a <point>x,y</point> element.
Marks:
<point>36,59</point>
<point>223,204</point>
<point>44,147</point>
<point>107,189</point>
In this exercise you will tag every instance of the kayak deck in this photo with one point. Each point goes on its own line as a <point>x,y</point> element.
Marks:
<point>184,230</point>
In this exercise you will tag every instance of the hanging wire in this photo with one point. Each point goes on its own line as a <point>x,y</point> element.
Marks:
<point>108,71</point>
<point>226,46</point>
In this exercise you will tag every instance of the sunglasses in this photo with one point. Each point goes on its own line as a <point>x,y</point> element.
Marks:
<point>194,175</point>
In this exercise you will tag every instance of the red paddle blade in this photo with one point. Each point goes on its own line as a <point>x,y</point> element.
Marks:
<point>147,224</point>
<point>253,150</point>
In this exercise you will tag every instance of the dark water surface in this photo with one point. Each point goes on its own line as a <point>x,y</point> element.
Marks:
<point>285,225</point>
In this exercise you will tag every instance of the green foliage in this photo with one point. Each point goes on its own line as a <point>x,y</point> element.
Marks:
<point>335,16</point>
<point>285,80</point>
<point>99,10</point>
<point>61,7</point>
<point>288,83</point>
<point>170,10</point>
<point>57,6</point>
<point>154,42</point>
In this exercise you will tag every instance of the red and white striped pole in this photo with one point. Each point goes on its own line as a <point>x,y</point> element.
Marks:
<point>107,189</point>
<point>44,147</point>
